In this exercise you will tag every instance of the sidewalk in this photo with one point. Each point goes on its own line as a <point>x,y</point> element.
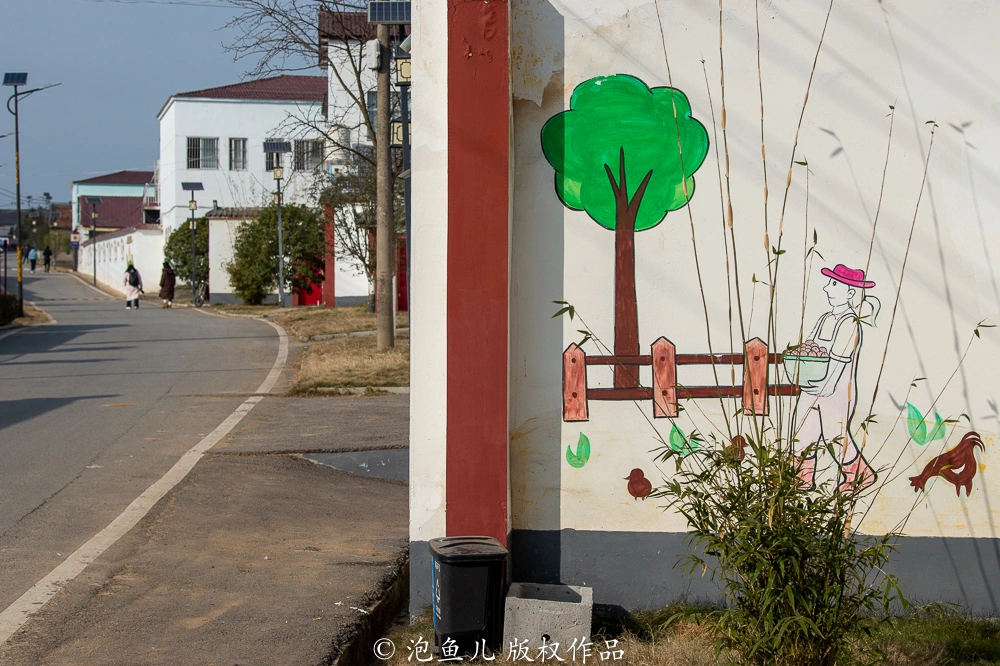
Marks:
<point>257,557</point>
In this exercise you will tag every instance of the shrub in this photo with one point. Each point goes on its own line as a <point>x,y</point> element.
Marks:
<point>178,250</point>
<point>800,582</point>
<point>8,308</point>
<point>253,271</point>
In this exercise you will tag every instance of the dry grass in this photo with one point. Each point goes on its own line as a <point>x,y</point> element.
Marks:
<point>682,644</point>
<point>646,640</point>
<point>233,308</point>
<point>353,361</point>
<point>309,322</point>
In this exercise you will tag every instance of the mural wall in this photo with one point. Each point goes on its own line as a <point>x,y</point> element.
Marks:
<point>726,249</point>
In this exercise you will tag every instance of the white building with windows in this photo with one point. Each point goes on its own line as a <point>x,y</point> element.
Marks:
<point>216,137</point>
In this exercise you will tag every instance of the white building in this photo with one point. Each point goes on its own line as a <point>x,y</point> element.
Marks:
<point>342,36</point>
<point>216,137</point>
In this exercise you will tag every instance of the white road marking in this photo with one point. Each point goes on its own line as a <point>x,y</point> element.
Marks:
<point>14,616</point>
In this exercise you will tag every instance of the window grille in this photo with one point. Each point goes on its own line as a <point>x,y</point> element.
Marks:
<point>202,153</point>
<point>308,154</point>
<point>237,154</point>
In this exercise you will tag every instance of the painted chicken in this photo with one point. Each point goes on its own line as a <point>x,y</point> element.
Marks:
<point>639,486</point>
<point>957,466</point>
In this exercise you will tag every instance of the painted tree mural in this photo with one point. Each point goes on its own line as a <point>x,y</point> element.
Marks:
<point>626,154</point>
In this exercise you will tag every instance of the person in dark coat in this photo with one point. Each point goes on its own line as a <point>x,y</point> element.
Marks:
<point>168,280</point>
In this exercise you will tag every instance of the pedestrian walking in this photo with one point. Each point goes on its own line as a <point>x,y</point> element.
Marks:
<point>168,280</point>
<point>133,287</point>
<point>33,258</point>
<point>47,258</point>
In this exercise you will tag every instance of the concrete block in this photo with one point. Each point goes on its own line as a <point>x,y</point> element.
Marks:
<point>535,614</point>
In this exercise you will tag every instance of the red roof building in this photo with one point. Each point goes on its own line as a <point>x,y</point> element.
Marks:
<point>119,178</point>
<point>113,213</point>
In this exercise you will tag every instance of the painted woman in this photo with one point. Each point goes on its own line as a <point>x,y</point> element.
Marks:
<point>826,406</point>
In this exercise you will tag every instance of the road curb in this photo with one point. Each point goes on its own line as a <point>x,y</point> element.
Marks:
<point>361,390</point>
<point>359,639</point>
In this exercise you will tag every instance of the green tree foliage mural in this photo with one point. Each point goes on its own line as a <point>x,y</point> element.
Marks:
<point>626,154</point>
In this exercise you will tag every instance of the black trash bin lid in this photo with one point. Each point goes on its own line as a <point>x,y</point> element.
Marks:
<point>462,549</point>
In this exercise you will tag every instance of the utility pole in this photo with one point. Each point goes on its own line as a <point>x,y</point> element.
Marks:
<point>385,240</point>
<point>17,194</point>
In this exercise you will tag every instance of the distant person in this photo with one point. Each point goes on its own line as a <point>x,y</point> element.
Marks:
<point>133,287</point>
<point>47,258</point>
<point>33,258</point>
<point>168,280</point>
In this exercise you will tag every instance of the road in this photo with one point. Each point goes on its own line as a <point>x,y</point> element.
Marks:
<point>97,406</point>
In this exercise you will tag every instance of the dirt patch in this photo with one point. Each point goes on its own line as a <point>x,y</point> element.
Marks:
<point>32,317</point>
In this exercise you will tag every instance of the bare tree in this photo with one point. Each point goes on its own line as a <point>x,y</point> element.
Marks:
<point>350,196</point>
<point>292,36</point>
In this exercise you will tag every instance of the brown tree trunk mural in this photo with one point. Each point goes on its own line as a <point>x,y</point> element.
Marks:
<point>626,308</point>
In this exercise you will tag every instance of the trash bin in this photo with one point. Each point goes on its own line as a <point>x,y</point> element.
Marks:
<point>469,584</point>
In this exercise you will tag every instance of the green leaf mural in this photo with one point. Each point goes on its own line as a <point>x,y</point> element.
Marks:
<point>614,115</point>
<point>916,424</point>
<point>680,443</point>
<point>582,455</point>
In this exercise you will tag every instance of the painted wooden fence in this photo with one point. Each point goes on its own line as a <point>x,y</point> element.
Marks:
<point>665,392</point>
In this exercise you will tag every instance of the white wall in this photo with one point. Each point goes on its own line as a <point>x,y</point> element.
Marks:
<point>932,66</point>
<point>253,120</point>
<point>143,246</point>
<point>429,285</point>
<point>929,64</point>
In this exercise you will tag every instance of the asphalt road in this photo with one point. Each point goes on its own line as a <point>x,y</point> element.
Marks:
<point>97,406</point>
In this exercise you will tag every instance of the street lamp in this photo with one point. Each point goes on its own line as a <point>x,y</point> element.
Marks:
<point>192,206</point>
<point>279,147</point>
<point>16,79</point>
<point>93,201</point>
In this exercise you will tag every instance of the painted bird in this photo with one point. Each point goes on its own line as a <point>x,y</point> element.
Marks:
<point>957,466</point>
<point>639,486</point>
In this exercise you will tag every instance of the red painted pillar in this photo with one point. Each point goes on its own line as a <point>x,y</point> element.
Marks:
<point>329,260</point>
<point>478,232</point>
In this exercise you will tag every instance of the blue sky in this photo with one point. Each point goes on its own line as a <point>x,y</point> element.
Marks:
<point>118,62</point>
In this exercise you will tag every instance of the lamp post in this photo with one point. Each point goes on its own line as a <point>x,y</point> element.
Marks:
<point>16,79</point>
<point>278,148</point>
<point>93,201</point>
<point>192,206</point>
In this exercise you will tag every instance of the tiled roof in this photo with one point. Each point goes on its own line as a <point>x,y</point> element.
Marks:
<point>112,212</point>
<point>121,232</point>
<point>233,213</point>
<point>345,26</point>
<point>120,178</point>
<point>285,87</point>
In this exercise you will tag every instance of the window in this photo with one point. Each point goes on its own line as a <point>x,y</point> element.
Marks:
<point>272,160</point>
<point>202,153</point>
<point>237,154</point>
<point>308,154</point>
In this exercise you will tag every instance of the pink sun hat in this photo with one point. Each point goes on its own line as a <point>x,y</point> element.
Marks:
<point>854,277</point>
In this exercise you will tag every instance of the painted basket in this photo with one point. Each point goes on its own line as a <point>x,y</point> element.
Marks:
<point>804,369</point>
